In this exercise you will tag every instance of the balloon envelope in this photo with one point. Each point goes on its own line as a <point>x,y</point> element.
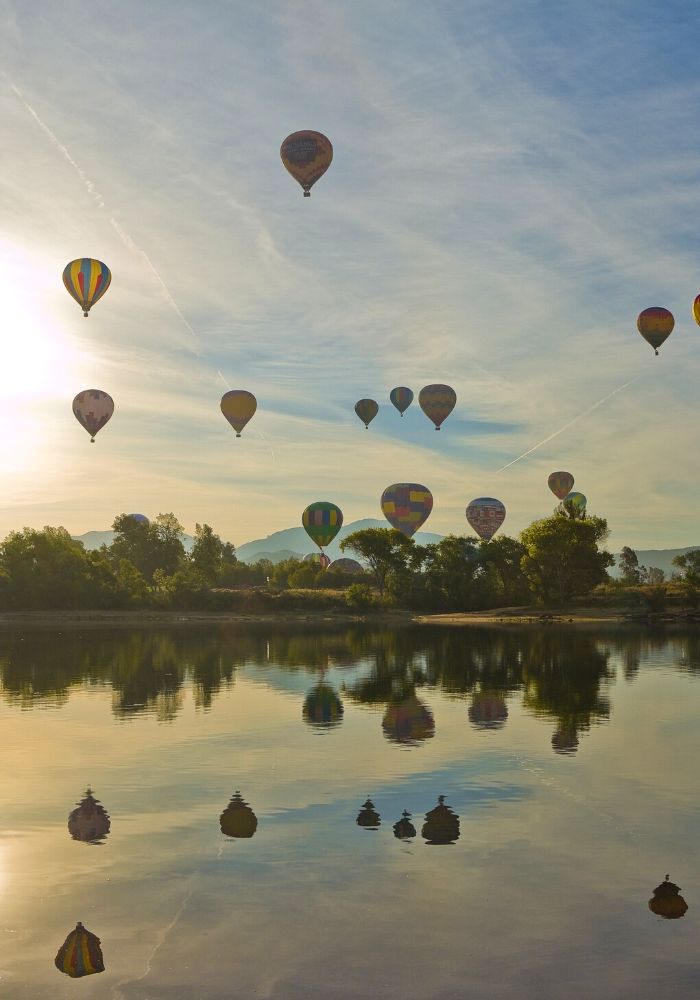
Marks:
<point>406,506</point>
<point>306,155</point>
<point>139,518</point>
<point>560,483</point>
<point>80,954</point>
<point>238,406</point>
<point>655,324</point>
<point>345,565</point>
<point>486,515</point>
<point>322,521</point>
<point>320,558</point>
<point>86,279</point>
<point>402,398</point>
<point>366,409</point>
<point>696,309</point>
<point>437,402</point>
<point>322,707</point>
<point>92,409</point>
<point>578,500</point>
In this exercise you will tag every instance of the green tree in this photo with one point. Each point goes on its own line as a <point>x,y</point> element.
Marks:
<point>386,551</point>
<point>505,582</point>
<point>210,556</point>
<point>628,564</point>
<point>562,558</point>
<point>450,573</point>
<point>148,547</point>
<point>689,565</point>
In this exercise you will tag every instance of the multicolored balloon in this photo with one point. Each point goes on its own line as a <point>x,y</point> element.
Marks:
<point>486,515</point>
<point>86,279</point>
<point>80,954</point>
<point>92,409</point>
<point>407,506</point>
<point>322,708</point>
<point>560,483</point>
<point>402,398</point>
<point>345,565</point>
<point>238,406</point>
<point>577,500</point>
<point>437,402</point>
<point>306,155</point>
<point>322,521</point>
<point>655,324</point>
<point>696,309</point>
<point>408,722</point>
<point>320,558</point>
<point>366,409</point>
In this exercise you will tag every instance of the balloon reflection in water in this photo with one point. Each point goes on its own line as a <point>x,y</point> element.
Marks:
<point>323,709</point>
<point>441,824</point>
<point>565,740</point>
<point>667,901</point>
<point>80,954</point>
<point>488,710</point>
<point>238,819</point>
<point>368,817</point>
<point>404,829</point>
<point>89,822</point>
<point>408,722</point>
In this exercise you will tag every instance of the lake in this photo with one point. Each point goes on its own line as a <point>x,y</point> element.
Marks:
<point>239,837</point>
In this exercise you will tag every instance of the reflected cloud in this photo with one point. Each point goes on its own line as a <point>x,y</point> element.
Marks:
<point>238,820</point>
<point>89,821</point>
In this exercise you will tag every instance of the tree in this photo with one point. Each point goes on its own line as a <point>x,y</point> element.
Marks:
<point>689,565</point>
<point>504,579</point>
<point>386,551</point>
<point>628,563</point>
<point>654,575</point>
<point>210,556</point>
<point>450,571</point>
<point>562,559</point>
<point>148,547</point>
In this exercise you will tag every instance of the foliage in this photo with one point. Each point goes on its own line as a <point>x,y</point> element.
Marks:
<point>562,558</point>
<point>628,564</point>
<point>360,596</point>
<point>148,546</point>
<point>210,556</point>
<point>388,553</point>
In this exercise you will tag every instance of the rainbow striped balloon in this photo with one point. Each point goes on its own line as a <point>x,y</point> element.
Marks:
<point>322,521</point>
<point>406,506</point>
<point>402,398</point>
<point>86,279</point>
<point>80,954</point>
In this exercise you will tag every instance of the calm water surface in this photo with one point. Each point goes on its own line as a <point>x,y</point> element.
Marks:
<point>567,761</point>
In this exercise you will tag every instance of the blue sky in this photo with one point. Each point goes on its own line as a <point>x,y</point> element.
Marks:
<point>512,183</point>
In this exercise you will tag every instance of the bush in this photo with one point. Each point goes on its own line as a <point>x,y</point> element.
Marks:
<point>360,596</point>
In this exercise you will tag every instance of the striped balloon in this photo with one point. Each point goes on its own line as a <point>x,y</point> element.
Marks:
<point>80,954</point>
<point>306,155</point>
<point>437,402</point>
<point>92,409</point>
<point>655,325</point>
<point>322,521</point>
<point>402,398</point>
<point>366,409</point>
<point>238,406</point>
<point>696,309</point>
<point>87,280</point>
<point>406,506</point>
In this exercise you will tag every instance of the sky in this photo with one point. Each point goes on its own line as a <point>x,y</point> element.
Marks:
<point>512,184</point>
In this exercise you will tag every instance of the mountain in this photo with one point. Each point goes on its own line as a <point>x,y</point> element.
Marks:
<point>658,558</point>
<point>94,539</point>
<point>295,542</point>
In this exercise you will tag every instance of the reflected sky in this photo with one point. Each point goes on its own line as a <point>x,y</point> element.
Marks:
<point>194,797</point>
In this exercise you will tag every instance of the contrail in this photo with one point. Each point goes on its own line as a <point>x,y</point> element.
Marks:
<point>99,200</point>
<point>570,423</point>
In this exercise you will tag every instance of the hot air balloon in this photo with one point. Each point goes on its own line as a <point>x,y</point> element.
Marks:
<point>86,280</point>
<point>322,521</point>
<point>577,500</point>
<point>437,402</point>
<point>402,398</point>
<point>366,409</point>
<point>441,824</point>
<point>486,515</point>
<point>488,710</point>
<point>139,518</point>
<point>320,558</point>
<point>89,822</point>
<point>655,325</point>
<point>696,309</point>
<point>92,409</point>
<point>406,506</point>
<point>408,722</point>
<point>80,954</point>
<point>306,155</point>
<point>345,565</point>
<point>560,483</point>
<point>323,709</point>
<point>238,406</point>
<point>404,828</point>
<point>667,901</point>
<point>238,819</point>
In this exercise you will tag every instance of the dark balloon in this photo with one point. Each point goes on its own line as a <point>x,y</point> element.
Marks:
<point>655,325</point>
<point>306,155</point>
<point>366,409</point>
<point>437,402</point>
<point>560,483</point>
<point>402,398</point>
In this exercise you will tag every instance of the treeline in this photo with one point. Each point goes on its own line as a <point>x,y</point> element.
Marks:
<point>146,566</point>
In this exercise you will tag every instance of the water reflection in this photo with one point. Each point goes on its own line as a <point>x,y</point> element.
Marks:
<point>238,819</point>
<point>368,817</point>
<point>488,710</point>
<point>441,824</point>
<point>322,707</point>
<point>667,901</point>
<point>80,954</point>
<point>89,821</point>
<point>404,828</point>
<point>408,722</point>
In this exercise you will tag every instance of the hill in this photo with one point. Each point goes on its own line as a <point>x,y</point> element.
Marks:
<point>658,558</point>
